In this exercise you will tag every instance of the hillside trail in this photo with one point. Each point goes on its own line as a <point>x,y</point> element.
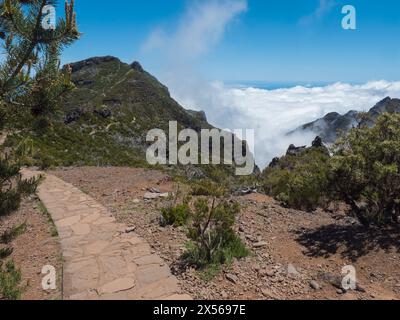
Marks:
<point>316,244</point>
<point>102,259</point>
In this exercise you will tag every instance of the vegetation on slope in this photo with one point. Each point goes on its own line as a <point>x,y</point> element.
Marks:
<point>363,172</point>
<point>104,122</point>
<point>31,85</point>
<point>298,181</point>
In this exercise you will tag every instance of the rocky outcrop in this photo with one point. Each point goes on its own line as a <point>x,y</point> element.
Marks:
<point>104,113</point>
<point>294,151</point>
<point>73,116</point>
<point>137,66</point>
<point>330,127</point>
<point>91,62</point>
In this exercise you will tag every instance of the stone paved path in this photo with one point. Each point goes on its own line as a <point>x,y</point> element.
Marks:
<point>102,260</point>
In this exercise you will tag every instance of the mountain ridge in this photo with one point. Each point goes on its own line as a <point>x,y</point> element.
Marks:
<point>333,124</point>
<point>105,120</point>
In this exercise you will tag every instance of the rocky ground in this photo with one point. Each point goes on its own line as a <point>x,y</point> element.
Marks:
<point>295,255</point>
<point>38,246</point>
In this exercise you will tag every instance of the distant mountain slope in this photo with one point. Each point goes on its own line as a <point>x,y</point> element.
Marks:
<point>133,97</point>
<point>105,121</point>
<point>330,126</point>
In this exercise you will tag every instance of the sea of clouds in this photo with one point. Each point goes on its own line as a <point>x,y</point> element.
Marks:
<point>274,113</point>
<point>176,48</point>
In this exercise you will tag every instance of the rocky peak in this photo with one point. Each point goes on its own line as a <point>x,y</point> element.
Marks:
<point>333,124</point>
<point>386,105</point>
<point>137,66</point>
<point>201,115</point>
<point>294,151</point>
<point>91,62</point>
<point>317,143</point>
<point>330,117</point>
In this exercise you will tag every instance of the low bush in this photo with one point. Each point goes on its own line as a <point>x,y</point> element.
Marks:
<point>5,252</point>
<point>12,187</point>
<point>10,235</point>
<point>10,279</point>
<point>365,171</point>
<point>207,187</point>
<point>299,181</point>
<point>212,238</point>
<point>177,215</point>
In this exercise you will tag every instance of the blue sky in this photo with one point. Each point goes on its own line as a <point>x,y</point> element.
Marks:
<point>266,40</point>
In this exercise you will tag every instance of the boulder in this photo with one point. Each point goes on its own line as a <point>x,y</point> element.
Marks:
<point>295,151</point>
<point>104,113</point>
<point>73,116</point>
<point>232,278</point>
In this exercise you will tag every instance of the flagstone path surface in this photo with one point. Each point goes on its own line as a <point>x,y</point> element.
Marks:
<point>102,259</point>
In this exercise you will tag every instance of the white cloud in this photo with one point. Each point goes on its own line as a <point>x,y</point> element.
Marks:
<point>323,8</point>
<point>273,113</point>
<point>199,30</point>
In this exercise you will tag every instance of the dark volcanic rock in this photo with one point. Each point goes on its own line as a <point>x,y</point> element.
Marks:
<point>82,82</point>
<point>91,62</point>
<point>104,113</point>
<point>73,116</point>
<point>317,143</point>
<point>201,115</point>
<point>274,163</point>
<point>137,66</point>
<point>294,151</point>
<point>333,124</point>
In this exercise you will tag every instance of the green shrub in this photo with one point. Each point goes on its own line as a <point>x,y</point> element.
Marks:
<point>177,215</point>
<point>10,235</point>
<point>299,181</point>
<point>6,252</point>
<point>365,171</point>
<point>10,278</point>
<point>12,187</point>
<point>207,187</point>
<point>40,125</point>
<point>213,240</point>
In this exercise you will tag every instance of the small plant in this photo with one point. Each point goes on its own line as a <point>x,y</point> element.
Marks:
<point>10,235</point>
<point>176,215</point>
<point>365,171</point>
<point>213,240</point>
<point>301,181</point>
<point>10,279</point>
<point>207,187</point>
<point>5,252</point>
<point>12,187</point>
